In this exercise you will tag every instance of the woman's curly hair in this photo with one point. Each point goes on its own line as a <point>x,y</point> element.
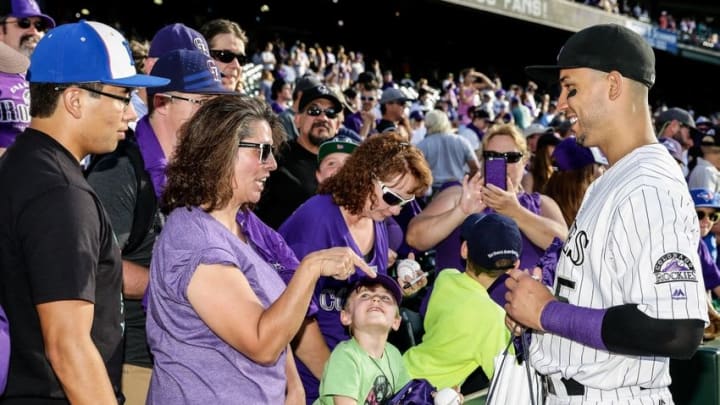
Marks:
<point>381,157</point>
<point>201,172</point>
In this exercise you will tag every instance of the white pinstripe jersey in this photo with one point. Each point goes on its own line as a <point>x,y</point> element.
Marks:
<point>634,240</point>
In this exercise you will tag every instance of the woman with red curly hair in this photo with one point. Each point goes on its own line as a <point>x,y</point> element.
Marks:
<point>380,176</point>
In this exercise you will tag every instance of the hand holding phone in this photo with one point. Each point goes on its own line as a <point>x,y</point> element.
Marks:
<point>495,171</point>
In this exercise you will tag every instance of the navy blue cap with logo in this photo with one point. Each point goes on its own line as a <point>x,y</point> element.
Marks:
<point>189,72</point>
<point>493,241</point>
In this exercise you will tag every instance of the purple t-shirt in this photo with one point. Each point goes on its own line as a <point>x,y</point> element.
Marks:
<point>192,364</point>
<point>711,273</point>
<point>315,225</point>
<point>152,154</point>
<point>447,252</point>
<point>14,107</point>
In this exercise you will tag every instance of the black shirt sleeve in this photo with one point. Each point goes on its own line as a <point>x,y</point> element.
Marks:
<point>59,233</point>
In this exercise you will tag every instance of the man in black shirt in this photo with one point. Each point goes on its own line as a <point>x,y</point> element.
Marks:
<point>60,275</point>
<point>294,180</point>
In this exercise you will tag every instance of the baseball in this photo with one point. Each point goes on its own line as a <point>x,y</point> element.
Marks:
<point>447,396</point>
<point>407,268</point>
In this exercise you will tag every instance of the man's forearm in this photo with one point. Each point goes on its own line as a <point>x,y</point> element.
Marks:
<point>81,372</point>
<point>135,280</point>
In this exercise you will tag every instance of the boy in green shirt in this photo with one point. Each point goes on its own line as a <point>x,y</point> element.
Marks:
<point>366,369</point>
<point>464,328</point>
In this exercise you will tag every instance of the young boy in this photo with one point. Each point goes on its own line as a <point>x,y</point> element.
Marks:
<point>464,328</point>
<point>366,369</point>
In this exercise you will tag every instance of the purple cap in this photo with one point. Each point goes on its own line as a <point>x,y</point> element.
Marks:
<point>380,279</point>
<point>569,155</point>
<point>177,36</point>
<point>673,147</point>
<point>29,8</point>
<point>189,72</point>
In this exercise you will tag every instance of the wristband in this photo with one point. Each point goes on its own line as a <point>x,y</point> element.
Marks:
<point>582,325</point>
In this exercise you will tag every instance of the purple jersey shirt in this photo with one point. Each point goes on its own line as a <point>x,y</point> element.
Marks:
<point>152,154</point>
<point>192,364</point>
<point>14,107</point>
<point>447,252</point>
<point>315,225</point>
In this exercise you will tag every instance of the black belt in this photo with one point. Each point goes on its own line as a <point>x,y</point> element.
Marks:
<point>572,387</point>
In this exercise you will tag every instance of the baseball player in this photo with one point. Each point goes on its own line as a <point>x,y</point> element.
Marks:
<point>628,292</point>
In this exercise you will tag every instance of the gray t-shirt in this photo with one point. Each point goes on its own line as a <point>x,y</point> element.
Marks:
<point>447,156</point>
<point>192,364</point>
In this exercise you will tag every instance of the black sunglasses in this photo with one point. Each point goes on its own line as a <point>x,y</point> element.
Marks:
<point>510,157</point>
<point>392,198</point>
<point>265,149</point>
<point>712,217</point>
<point>365,98</point>
<point>228,56</point>
<point>25,23</point>
<point>315,111</point>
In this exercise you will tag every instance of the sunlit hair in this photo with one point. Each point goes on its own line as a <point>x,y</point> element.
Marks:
<point>381,157</point>
<point>201,172</point>
<point>568,187</point>
<point>510,130</point>
<point>437,122</point>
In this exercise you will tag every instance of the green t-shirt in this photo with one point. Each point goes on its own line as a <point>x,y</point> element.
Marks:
<point>464,329</point>
<point>351,372</point>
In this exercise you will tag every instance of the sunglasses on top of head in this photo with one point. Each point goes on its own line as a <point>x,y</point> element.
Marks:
<point>510,157</point>
<point>228,56</point>
<point>392,198</point>
<point>264,148</point>
<point>315,111</point>
<point>26,22</point>
<point>712,217</point>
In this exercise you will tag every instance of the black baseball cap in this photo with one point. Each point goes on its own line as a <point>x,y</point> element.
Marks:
<point>380,279</point>
<point>604,47</point>
<point>321,91</point>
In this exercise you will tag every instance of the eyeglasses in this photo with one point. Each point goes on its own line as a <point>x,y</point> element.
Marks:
<point>124,99</point>
<point>365,98</point>
<point>197,101</point>
<point>26,22</point>
<point>392,198</point>
<point>510,157</point>
<point>228,56</point>
<point>265,149</point>
<point>712,217</point>
<point>315,111</point>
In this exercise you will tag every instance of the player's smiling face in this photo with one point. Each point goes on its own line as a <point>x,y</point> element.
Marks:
<point>581,90</point>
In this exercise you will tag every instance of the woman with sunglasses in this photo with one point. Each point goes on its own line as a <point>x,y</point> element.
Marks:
<point>538,216</point>
<point>220,317</point>
<point>380,176</point>
<point>227,43</point>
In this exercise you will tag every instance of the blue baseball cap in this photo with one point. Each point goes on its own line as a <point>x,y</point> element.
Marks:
<point>86,52</point>
<point>493,240</point>
<point>703,197</point>
<point>29,8</point>
<point>177,36</point>
<point>189,72</point>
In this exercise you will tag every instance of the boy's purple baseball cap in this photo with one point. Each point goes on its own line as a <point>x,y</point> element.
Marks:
<point>29,8</point>
<point>380,279</point>
<point>177,36</point>
<point>189,72</point>
<point>87,52</point>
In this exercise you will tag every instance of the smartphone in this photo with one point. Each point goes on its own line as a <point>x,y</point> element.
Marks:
<point>496,172</point>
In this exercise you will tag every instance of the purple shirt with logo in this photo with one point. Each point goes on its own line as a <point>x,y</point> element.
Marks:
<point>192,364</point>
<point>14,107</point>
<point>152,154</point>
<point>447,252</point>
<point>315,225</point>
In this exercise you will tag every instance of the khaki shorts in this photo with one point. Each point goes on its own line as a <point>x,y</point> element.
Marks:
<point>135,384</point>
